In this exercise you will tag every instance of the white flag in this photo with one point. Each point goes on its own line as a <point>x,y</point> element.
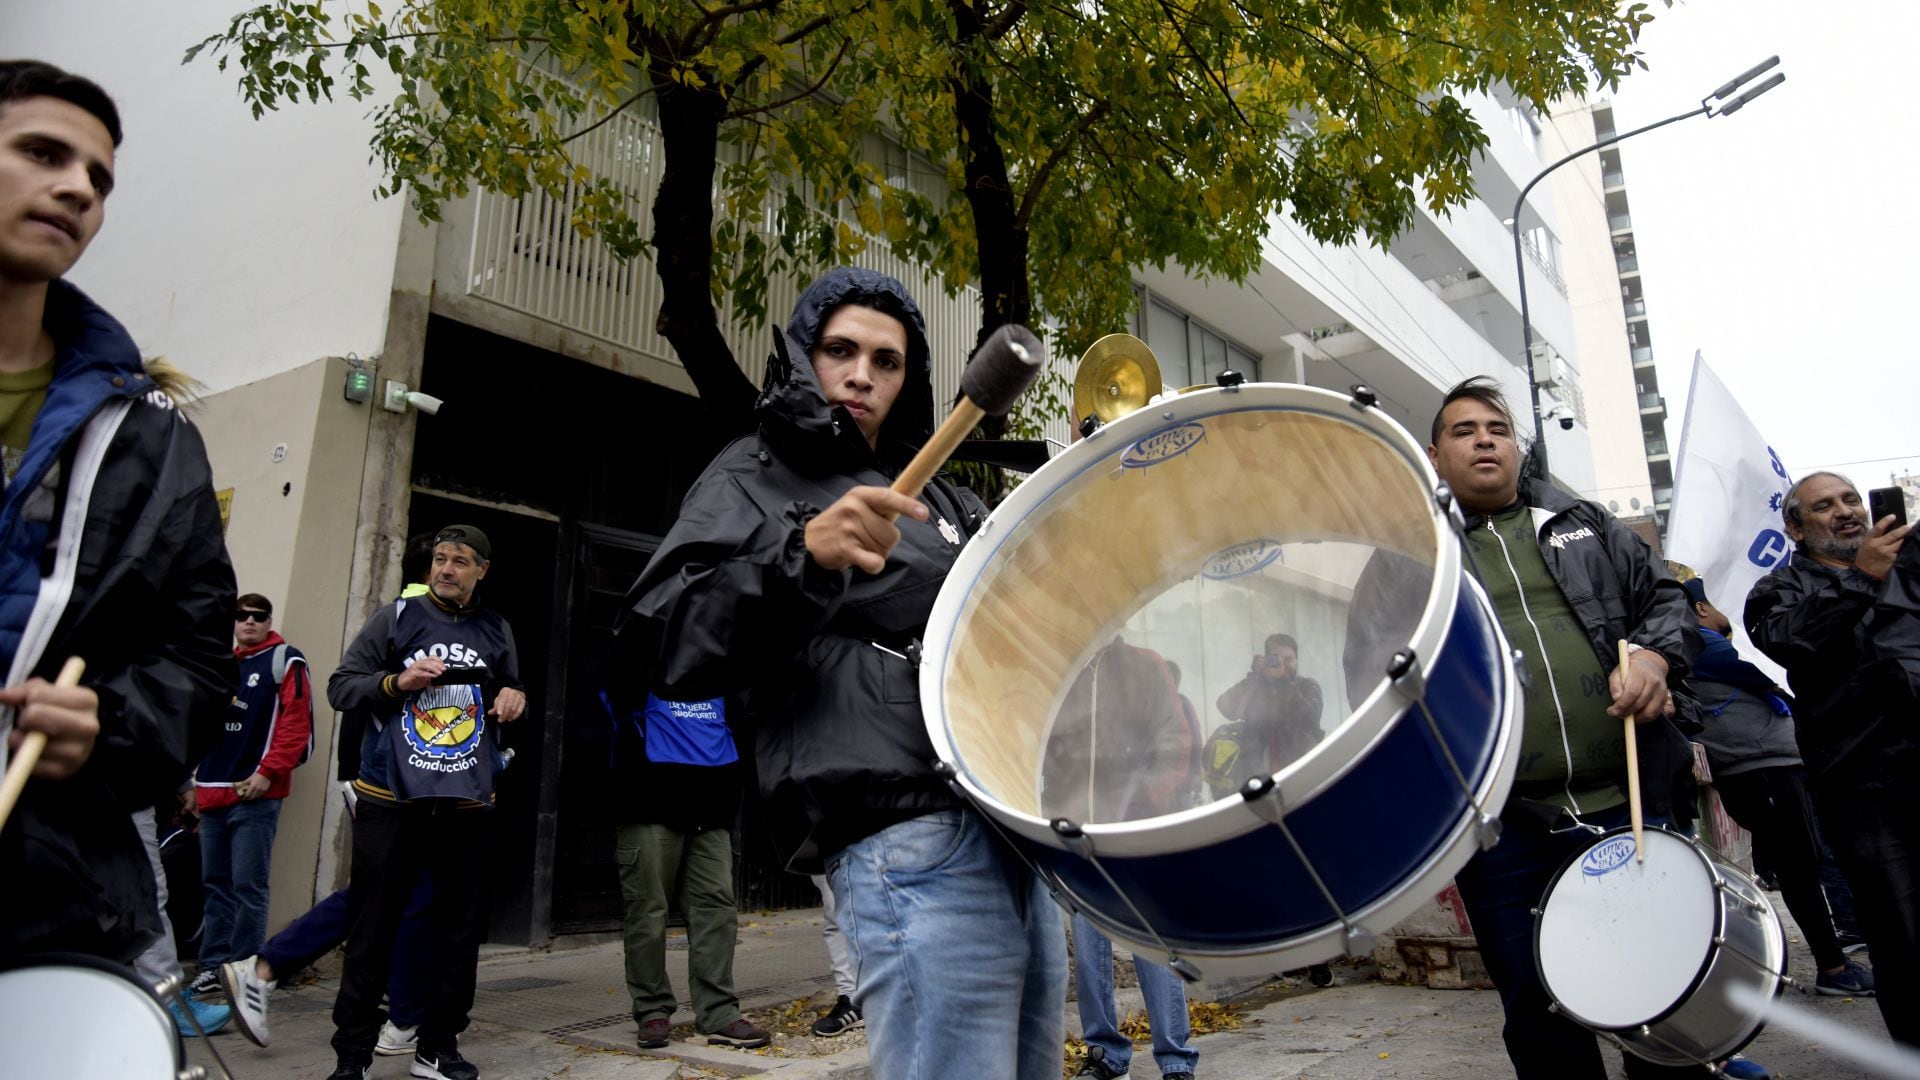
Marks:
<point>1728,485</point>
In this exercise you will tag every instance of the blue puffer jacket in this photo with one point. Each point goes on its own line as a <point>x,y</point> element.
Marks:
<point>111,550</point>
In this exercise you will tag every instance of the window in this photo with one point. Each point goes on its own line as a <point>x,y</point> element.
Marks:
<point>1189,353</point>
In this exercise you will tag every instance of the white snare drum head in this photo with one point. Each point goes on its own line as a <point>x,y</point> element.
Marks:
<point>1202,592</point>
<point>1621,942</point>
<point>81,1023</point>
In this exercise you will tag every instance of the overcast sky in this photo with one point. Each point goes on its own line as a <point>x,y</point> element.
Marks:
<point>1782,241</point>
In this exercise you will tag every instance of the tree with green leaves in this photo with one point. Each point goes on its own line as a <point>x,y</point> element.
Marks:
<point>1048,149</point>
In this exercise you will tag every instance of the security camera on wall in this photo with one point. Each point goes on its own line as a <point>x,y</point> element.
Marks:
<point>1561,413</point>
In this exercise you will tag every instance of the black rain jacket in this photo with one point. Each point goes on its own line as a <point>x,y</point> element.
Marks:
<point>732,604</point>
<point>122,561</point>
<point>1851,647</point>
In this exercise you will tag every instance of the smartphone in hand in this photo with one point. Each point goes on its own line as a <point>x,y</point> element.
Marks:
<point>460,676</point>
<point>1888,500</point>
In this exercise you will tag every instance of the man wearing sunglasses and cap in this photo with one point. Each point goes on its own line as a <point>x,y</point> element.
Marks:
<point>436,672</point>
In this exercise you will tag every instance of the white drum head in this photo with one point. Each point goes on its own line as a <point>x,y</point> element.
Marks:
<point>82,1023</point>
<point>1202,592</point>
<point>1622,942</point>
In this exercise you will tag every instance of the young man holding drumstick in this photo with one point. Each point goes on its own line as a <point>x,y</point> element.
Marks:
<point>110,550</point>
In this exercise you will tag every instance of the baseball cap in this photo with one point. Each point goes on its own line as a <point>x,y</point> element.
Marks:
<point>468,535</point>
<point>1696,589</point>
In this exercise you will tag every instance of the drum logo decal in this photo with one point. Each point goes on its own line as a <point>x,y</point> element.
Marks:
<point>1166,443</point>
<point>1247,558</point>
<point>1608,857</point>
<point>443,722</point>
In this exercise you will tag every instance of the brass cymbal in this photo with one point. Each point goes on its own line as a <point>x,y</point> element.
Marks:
<point>1117,374</point>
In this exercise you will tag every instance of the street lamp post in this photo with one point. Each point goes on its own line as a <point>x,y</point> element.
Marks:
<point>1714,104</point>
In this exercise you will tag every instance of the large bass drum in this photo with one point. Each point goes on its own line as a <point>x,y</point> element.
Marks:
<point>82,1018</point>
<point>1217,672</point>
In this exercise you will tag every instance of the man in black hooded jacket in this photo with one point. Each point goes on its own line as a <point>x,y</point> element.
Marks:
<point>784,579</point>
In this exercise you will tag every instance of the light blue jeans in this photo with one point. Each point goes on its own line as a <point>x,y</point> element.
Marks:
<point>1165,994</point>
<point>958,951</point>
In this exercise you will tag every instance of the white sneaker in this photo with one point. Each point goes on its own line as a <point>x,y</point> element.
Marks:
<point>395,1041</point>
<point>248,993</point>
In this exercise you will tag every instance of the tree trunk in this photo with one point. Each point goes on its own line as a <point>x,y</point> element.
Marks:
<point>683,249</point>
<point>1006,296</point>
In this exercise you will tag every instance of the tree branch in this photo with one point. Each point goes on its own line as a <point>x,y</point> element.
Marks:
<point>1035,186</point>
<point>806,93</point>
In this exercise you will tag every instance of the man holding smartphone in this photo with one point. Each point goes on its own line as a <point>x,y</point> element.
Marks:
<point>1843,617</point>
<point>435,671</point>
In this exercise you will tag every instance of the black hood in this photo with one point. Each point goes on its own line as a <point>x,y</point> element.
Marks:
<point>793,410</point>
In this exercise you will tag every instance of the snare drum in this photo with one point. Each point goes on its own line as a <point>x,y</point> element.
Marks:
<point>1646,952</point>
<point>81,1018</point>
<point>1113,620</point>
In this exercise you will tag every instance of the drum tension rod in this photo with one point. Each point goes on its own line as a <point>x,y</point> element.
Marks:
<point>1404,671</point>
<point>1363,396</point>
<point>1229,379</point>
<point>946,771</point>
<point>1262,796</point>
<point>1078,842</point>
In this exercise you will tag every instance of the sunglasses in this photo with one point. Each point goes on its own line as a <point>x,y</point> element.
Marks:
<point>252,616</point>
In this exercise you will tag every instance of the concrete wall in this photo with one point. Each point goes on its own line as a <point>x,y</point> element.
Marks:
<point>1599,321</point>
<point>238,248</point>
<point>293,450</point>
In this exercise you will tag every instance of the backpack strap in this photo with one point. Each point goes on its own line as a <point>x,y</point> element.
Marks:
<point>279,663</point>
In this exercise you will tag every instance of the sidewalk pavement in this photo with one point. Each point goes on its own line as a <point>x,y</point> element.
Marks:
<point>564,1013</point>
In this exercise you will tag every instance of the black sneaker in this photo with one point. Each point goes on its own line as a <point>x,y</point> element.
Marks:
<point>351,1069</point>
<point>442,1064</point>
<point>207,982</point>
<point>1097,1066</point>
<point>843,1017</point>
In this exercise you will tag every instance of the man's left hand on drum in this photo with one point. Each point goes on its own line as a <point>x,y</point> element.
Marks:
<point>1640,689</point>
<point>858,530</point>
<point>68,715</point>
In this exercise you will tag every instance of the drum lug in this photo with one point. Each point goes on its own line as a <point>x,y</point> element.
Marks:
<point>1073,836</point>
<point>1552,1006</point>
<point>1229,379</point>
<point>1363,396</point>
<point>1487,832</point>
<point>198,1072</point>
<point>1405,673</point>
<point>1089,426</point>
<point>1443,498</point>
<point>1360,942</point>
<point>1521,671</point>
<point>1184,968</point>
<point>1255,791</point>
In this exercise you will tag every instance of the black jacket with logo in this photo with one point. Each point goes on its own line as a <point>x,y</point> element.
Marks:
<point>1617,589</point>
<point>732,604</point>
<point>110,550</point>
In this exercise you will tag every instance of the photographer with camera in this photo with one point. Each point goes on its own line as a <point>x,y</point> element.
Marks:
<point>1843,617</point>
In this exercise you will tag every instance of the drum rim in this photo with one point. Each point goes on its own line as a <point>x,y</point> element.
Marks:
<point>102,965</point>
<point>1338,750</point>
<point>1448,857</point>
<point>1699,977</point>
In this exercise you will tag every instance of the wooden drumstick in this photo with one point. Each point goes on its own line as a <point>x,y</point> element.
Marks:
<point>1633,767</point>
<point>993,380</point>
<point>31,744</point>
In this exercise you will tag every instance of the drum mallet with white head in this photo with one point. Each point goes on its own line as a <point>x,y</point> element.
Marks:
<point>1000,371</point>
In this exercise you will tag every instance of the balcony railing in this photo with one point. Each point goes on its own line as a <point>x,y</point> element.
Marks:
<point>527,256</point>
<point>1616,222</point>
<point>1541,263</point>
<point>1636,307</point>
<point>1652,401</point>
<point>1627,264</point>
<point>1643,355</point>
<point>1612,179</point>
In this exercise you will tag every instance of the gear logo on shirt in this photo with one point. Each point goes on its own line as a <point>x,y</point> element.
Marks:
<point>444,722</point>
